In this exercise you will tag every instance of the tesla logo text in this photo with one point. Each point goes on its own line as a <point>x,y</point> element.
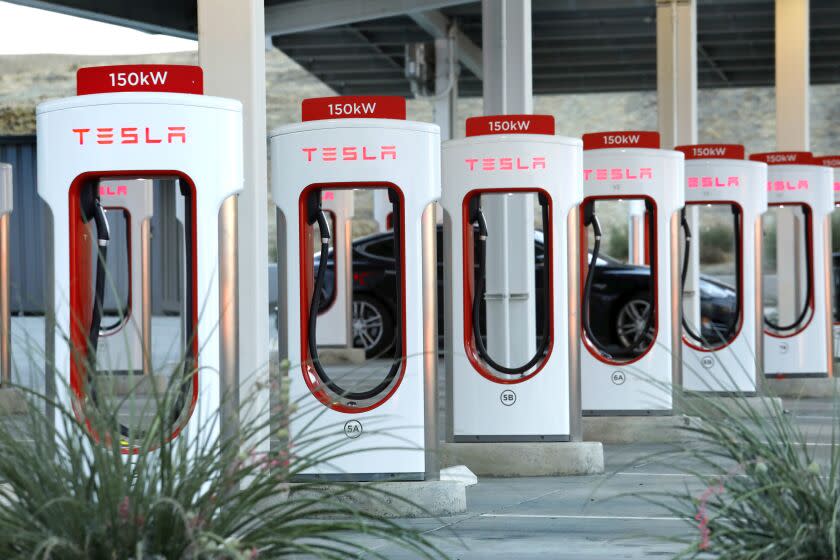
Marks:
<point>123,79</point>
<point>707,151</point>
<point>509,126</point>
<point>350,153</point>
<point>505,163</point>
<point>132,135</point>
<point>709,182</point>
<point>344,109</point>
<point>111,190</point>
<point>837,186</point>
<point>801,185</point>
<point>617,174</point>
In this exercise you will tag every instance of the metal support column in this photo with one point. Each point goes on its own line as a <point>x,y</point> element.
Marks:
<point>676,85</point>
<point>447,70</point>
<point>793,128</point>
<point>232,53</point>
<point>508,89</point>
<point>6,197</point>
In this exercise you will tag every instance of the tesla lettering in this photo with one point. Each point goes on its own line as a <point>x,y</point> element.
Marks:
<point>505,163</point>
<point>350,153</point>
<point>709,182</point>
<point>617,174</point>
<point>801,185</point>
<point>132,135</point>
<point>110,190</point>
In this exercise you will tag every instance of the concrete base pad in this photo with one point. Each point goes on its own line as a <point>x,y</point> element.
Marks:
<point>12,402</point>
<point>339,356</point>
<point>737,406</point>
<point>430,498</point>
<point>637,429</point>
<point>507,459</point>
<point>805,387</point>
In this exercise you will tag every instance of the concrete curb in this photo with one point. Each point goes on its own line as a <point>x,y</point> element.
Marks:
<point>637,429</point>
<point>429,498</point>
<point>803,388</point>
<point>340,356</point>
<point>740,407</point>
<point>12,402</point>
<point>511,459</point>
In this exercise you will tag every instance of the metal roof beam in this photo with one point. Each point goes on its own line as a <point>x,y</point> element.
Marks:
<point>308,15</point>
<point>437,25</point>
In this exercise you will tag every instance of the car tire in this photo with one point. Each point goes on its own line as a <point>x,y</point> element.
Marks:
<point>373,326</point>
<point>631,308</point>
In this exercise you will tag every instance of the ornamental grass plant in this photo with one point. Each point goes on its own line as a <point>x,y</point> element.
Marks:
<point>70,491</point>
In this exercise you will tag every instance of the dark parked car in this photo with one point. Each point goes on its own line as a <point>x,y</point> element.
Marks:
<point>619,296</point>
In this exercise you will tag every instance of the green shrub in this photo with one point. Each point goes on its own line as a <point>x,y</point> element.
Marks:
<point>74,496</point>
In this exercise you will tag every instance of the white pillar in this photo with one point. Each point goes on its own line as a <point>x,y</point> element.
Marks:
<point>445,107</point>
<point>636,237</point>
<point>792,133</point>
<point>231,43</point>
<point>676,83</point>
<point>508,89</point>
<point>335,327</point>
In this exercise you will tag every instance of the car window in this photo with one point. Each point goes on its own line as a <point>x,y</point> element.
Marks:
<point>382,248</point>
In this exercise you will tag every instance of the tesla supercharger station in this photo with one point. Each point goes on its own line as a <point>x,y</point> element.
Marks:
<point>724,354</point>
<point>375,414</point>
<point>506,156</point>
<point>628,367</point>
<point>798,337</point>
<point>834,163</point>
<point>334,321</point>
<point>102,157</point>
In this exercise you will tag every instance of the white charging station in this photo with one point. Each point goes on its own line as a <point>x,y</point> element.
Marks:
<point>380,416</point>
<point>800,344</point>
<point>724,354</point>
<point>335,318</point>
<point>132,126</point>
<point>636,378</point>
<point>833,162</point>
<point>6,208</point>
<point>505,156</point>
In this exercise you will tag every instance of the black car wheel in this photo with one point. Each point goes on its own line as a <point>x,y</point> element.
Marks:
<point>373,327</point>
<point>631,319</point>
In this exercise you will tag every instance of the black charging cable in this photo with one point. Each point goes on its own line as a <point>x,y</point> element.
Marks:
<point>317,215</point>
<point>809,266</point>
<point>478,219</point>
<point>590,218</point>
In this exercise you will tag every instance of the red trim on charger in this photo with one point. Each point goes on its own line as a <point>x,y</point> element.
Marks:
<point>785,158</point>
<point>469,276</point>
<point>621,139</point>
<point>712,151</point>
<point>169,78</point>
<point>510,124</point>
<point>353,107</point>
<point>809,223</point>
<point>584,255</point>
<point>81,296</point>
<point>318,389</point>
<point>740,286</point>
